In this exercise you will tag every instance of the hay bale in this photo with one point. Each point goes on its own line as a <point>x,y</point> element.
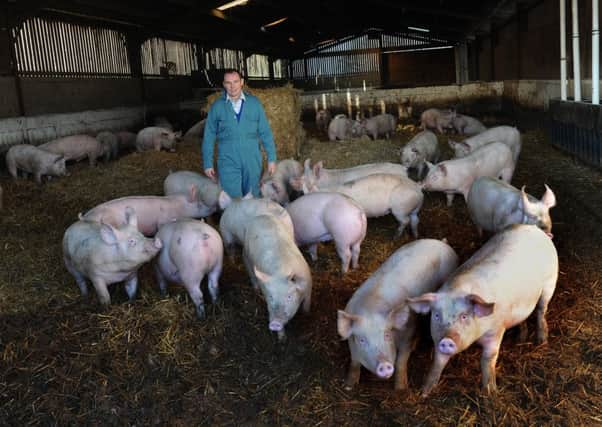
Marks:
<point>283,109</point>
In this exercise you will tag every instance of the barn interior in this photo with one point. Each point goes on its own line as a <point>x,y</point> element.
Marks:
<point>72,67</point>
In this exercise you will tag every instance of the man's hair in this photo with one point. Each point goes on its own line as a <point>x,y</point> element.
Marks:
<point>232,71</point>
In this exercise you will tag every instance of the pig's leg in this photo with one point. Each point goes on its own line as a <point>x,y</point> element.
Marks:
<point>160,280</point>
<point>491,349</point>
<point>353,377</point>
<point>420,168</point>
<point>196,295</point>
<point>542,308</point>
<point>102,291</point>
<point>307,302</point>
<point>92,159</point>
<point>38,177</point>
<point>450,199</point>
<point>435,373</point>
<point>79,278</point>
<point>402,216</point>
<point>344,252</point>
<point>355,254</point>
<point>213,282</point>
<point>523,331</point>
<point>404,349</point>
<point>313,251</point>
<point>414,220</point>
<point>131,286</point>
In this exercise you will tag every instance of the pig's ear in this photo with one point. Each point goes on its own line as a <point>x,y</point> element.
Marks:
<point>296,183</point>
<point>451,143</point>
<point>414,150</point>
<point>276,187</point>
<point>192,193</point>
<point>465,145</point>
<point>307,165</point>
<point>318,168</point>
<point>345,323</point>
<point>248,196</point>
<point>429,165</point>
<point>261,276</point>
<point>178,134</point>
<point>165,133</point>
<point>223,200</point>
<point>480,307</point>
<point>422,304</point>
<point>58,159</point>
<point>443,168</point>
<point>130,216</point>
<point>399,316</point>
<point>524,200</point>
<point>548,199</point>
<point>107,234</point>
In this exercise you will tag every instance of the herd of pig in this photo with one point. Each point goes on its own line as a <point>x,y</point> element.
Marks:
<point>512,275</point>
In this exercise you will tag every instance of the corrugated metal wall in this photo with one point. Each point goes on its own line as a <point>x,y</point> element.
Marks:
<point>168,57</point>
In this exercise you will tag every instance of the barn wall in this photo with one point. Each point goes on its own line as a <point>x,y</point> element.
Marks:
<point>9,103</point>
<point>419,68</point>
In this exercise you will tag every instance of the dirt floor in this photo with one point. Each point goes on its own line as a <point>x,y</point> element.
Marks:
<point>67,361</point>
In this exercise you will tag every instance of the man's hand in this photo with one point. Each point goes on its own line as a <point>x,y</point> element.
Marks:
<point>271,168</point>
<point>210,172</point>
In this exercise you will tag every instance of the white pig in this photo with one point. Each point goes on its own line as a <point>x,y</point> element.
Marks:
<point>455,176</point>
<point>30,159</point>
<point>78,147</point>
<point>277,187</point>
<point>105,254</point>
<point>377,323</point>
<point>343,128</point>
<point>511,276</point>
<point>494,205</point>
<point>383,194</point>
<point>381,124</point>
<point>467,125</point>
<point>207,192</point>
<point>152,211</point>
<point>239,212</point>
<point>434,118</point>
<point>323,118</point>
<point>324,216</point>
<point>191,250</point>
<point>110,142</point>
<point>423,147</point>
<point>155,138</point>
<point>506,134</point>
<point>277,267</point>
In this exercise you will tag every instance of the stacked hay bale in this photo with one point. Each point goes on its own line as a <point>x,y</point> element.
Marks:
<point>283,109</point>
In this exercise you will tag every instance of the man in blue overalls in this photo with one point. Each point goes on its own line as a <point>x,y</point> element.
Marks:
<point>238,122</point>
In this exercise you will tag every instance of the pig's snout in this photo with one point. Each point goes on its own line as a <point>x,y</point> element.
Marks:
<point>276,326</point>
<point>385,370</point>
<point>447,346</point>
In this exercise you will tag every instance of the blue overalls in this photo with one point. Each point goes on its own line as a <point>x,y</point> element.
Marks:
<point>238,136</point>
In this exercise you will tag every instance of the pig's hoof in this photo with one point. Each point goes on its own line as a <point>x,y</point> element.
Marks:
<point>200,313</point>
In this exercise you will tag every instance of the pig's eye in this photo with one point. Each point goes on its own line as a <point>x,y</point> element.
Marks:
<point>289,297</point>
<point>388,336</point>
<point>464,316</point>
<point>132,242</point>
<point>361,341</point>
<point>436,316</point>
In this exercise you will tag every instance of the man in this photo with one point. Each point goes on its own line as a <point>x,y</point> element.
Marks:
<point>237,120</point>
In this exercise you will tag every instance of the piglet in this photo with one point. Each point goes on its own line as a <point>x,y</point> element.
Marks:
<point>277,187</point>
<point>381,124</point>
<point>156,138</point>
<point>191,250</point>
<point>343,128</point>
<point>434,118</point>
<point>505,134</point>
<point>511,276</point>
<point>31,159</point>
<point>208,192</point>
<point>377,323</point>
<point>78,147</point>
<point>467,125</point>
<point>323,118</point>
<point>423,147</point>
<point>105,254</point>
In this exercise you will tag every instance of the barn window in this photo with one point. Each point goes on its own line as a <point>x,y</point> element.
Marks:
<point>280,69</point>
<point>168,57</point>
<point>223,58</point>
<point>258,66</point>
<point>50,48</point>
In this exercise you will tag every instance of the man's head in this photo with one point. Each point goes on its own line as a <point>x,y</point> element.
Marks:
<point>233,83</point>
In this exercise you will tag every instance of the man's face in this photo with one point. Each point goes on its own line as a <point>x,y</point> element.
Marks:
<point>233,85</point>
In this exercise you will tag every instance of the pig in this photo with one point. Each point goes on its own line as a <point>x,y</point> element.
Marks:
<point>238,212</point>
<point>277,187</point>
<point>494,205</point>
<point>323,118</point>
<point>377,322</point>
<point>191,249</point>
<point>208,192</point>
<point>196,131</point>
<point>105,254</point>
<point>77,147</point>
<point>110,142</point>
<point>278,269</point>
<point>343,128</point>
<point>423,147</point>
<point>321,177</point>
<point>381,194</point>
<point>152,211</point>
<point>506,134</point>
<point>127,140</point>
<point>324,216</point>
<point>434,118</point>
<point>31,159</point>
<point>467,125</point>
<point>512,275</point>
<point>155,138</point>
<point>162,122</point>
<point>456,175</point>
<point>381,124</point>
